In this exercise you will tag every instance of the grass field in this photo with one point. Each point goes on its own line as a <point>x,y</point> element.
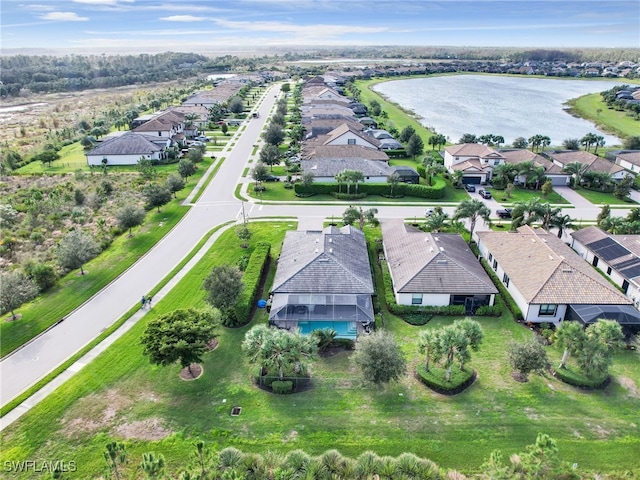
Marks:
<point>592,108</point>
<point>524,195</point>
<point>601,198</point>
<point>121,395</point>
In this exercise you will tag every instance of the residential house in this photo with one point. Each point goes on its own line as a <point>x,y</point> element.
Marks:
<point>550,282</point>
<point>629,159</point>
<point>127,149</point>
<point>616,256</point>
<point>595,163</point>
<point>168,125</point>
<point>552,171</point>
<point>474,160</point>
<point>434,269</point>
<point>323,280</point>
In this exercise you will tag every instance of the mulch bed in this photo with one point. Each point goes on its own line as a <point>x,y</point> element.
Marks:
<point>212,344</point>
<point>193,374</point>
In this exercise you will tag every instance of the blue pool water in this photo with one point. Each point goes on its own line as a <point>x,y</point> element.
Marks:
<point>343,329</point>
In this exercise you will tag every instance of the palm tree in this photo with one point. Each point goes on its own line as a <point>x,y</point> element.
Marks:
<point>525,213</point>
<point>504,173</point>
<point>545,141</point>
<point>357,176</point>
<point>588,140</point>
<point>427,341</point>
<point>431,168</point>
<point>498,140</point>
<point>599,142</point>
<point>472,209</point>
<point>340,177</point>
<point>437,221</point>
<point>562,222</point>
<point>393,181</point>
<point>456,178</point>
<point>577,169</point>
<point>571,336</point>
<point>548,215</point>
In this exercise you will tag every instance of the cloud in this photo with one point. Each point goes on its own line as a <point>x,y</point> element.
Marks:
<point>98,2</point>
<point>183,18</point>
<point>63,17</point>
<point>306,30</point>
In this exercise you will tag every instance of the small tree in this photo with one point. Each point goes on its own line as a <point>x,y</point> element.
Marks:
<point>415,146</point>
<point>603,215</point>
<point>244,234</point>
<point>393,181</point>
<point>195,154</point>
<point>547,188</point>
<point>520,142</point>
<point>473,210</point>
<point>179,336</point>
<point>75,249</point>
<point>156,196</point>
<point>146,168</point>
<point>307,178</point>
<point>357,214</point>
<point>274,134</point>
<point>378,357</point>
<point>508,191</point>
<point>186,168</point>
<point>224,128</point>
<point>152,465</point>
<point>16,288</point>
<point>406,134</point>
<point>224,285</point>
<point>235,105</point>
<point>571,336</point>
<point>116,457</point>
<point>270,155</point>
<point>527,357</point>
<point>259,173</point>
<point>174,183</point>
<point>130,216</point>
<point>623,187</point>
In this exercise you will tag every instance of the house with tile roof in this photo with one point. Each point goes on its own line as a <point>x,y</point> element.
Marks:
<point>552,171</point>
<point>323,280</point>
<point>615,256</point>
<point>548,280</point>
<point>474,160</point>
<point>167,125</point>
<point>595,163</point>
<point>434,269</point>
<point>629,159</point>
<point>325,169</point>
<point>127,149</point>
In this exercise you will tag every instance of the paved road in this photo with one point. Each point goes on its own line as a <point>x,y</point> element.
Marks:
<point>216,205</point>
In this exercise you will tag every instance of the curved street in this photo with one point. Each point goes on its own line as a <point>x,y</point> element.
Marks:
<point>217,205</point>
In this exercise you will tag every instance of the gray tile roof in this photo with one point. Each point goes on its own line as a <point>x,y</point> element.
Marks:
<point>343,151</point>
<point>546,271</point>
<point>588,235</point>
<point>432,263</point>
<point>329,167</point>
<point>596,163</point>
<point>331,261</point>
<point>130,143</point>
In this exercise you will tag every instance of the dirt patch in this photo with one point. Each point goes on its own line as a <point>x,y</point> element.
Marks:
<point>600,431</point>
<point>518,377</point>
<point>151,429</point>
<point>292,437</point>
<point>630,386</point>
<point>97,412</point>
<point>17,316</point>
<point>191,374</point>
<point>531,413</point>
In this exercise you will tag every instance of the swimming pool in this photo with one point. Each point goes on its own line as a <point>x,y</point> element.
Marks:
<point>343,329</point>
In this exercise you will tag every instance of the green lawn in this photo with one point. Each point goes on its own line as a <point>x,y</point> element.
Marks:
<point>592,108</point>
<point>524,195</point>
<point>601,198</point>
<point>121,390</point>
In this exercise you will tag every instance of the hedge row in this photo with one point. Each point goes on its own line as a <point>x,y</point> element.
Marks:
<point>251,279</point>
<point>434,192</point>
<point>504,293</point>
<point>577,379</point>
<point>435,379</point>
<point>282,386</point>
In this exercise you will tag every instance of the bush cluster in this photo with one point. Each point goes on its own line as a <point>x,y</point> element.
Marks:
<point>251,279</point>
<point>435,379</point>
<point>282,386</point>
<point>577,379</point>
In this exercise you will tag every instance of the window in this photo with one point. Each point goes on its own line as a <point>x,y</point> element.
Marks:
<point>496,162</point>
<point>625,286</point>
<point>490,257</point>
<point>549,310</point>
<point>505,279</point>
<point>495,265</point>
<point>595,261</point>
<point>159,134</point>
<point>608,270</point>
<point>416,299</point>
<point>351,141</point>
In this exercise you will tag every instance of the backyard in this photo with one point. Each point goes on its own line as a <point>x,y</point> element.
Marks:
<point>121,395</point>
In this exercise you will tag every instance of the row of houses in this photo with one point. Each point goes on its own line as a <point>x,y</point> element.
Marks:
<point>477,162</point>
<point>153,134</point>
<point>323,278</point>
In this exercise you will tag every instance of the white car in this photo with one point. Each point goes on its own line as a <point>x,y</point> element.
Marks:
<point>429,212</point>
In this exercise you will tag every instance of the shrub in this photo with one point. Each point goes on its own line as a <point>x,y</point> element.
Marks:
<point>577,379</point>
<point>421,191</point>
<point>490,311</point>
<point>508,299</point>
<point>421,171</point>
<point>348,196</point>
<point>282,387</point>
<point>251,279</point>
<point>435,379</point>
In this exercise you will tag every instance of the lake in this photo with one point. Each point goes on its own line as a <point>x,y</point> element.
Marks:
<point>508,106</point>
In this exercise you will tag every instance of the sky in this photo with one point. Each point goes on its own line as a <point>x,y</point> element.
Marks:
<point>112,26</point>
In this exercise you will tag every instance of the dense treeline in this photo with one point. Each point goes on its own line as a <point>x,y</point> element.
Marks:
<point>46,74</point>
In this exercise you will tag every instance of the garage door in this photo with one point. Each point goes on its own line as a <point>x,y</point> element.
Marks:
<point>558,181</point>
<point>471,180</point>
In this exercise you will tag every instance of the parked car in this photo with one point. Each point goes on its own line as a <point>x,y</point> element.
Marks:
<point>203,138</point>
<point>504,212</point>
<point>470,187</point>
<point>271,178</point>
<point>429,212</point>
<point>198,143</point>
<point>484,193</point>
